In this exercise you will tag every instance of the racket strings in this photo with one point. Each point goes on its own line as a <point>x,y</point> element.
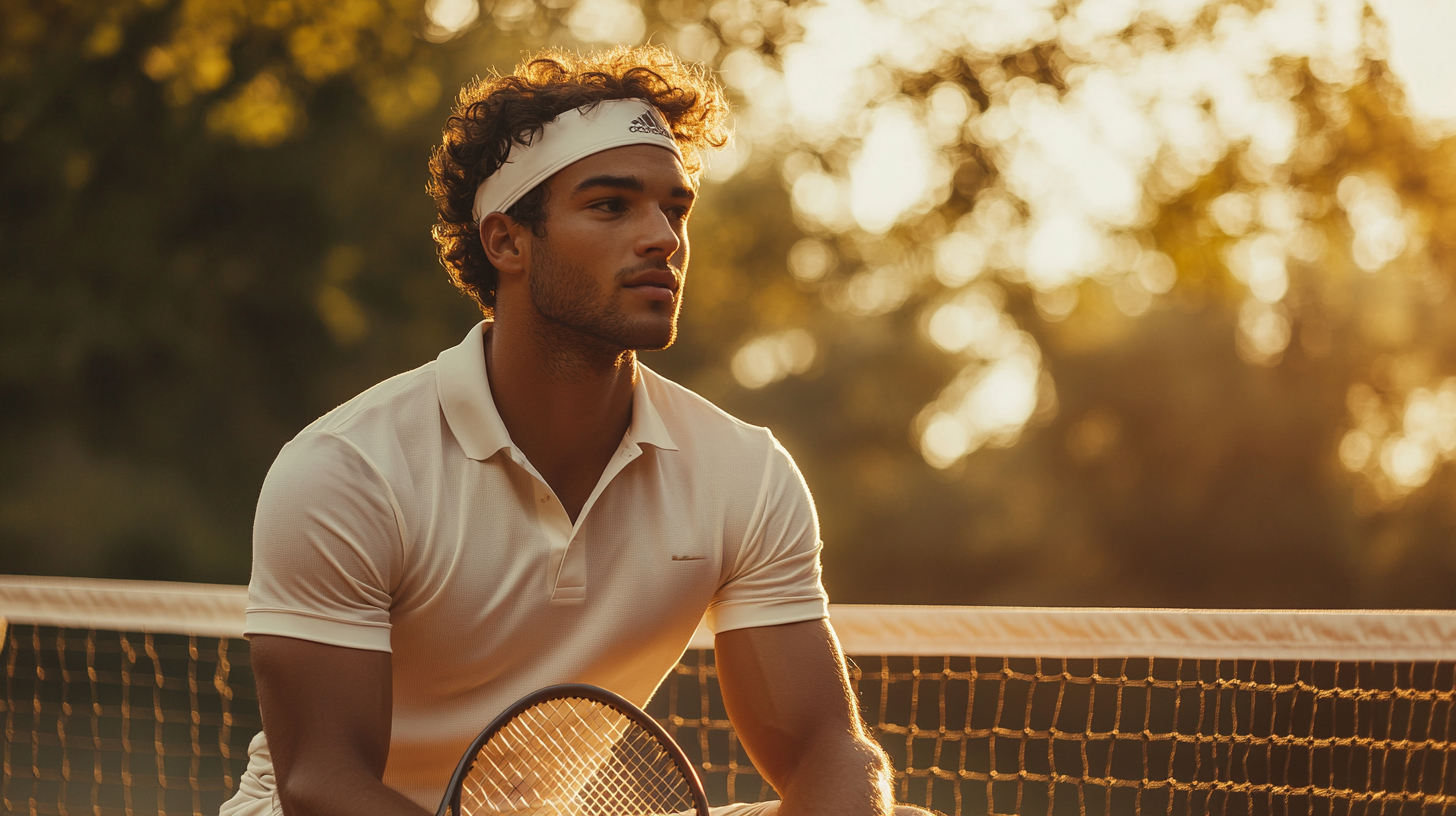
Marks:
<point>537,762</point>
<point>644,780</point>
<point>574,757</point>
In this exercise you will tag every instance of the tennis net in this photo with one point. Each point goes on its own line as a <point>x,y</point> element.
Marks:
<point>136,697</point>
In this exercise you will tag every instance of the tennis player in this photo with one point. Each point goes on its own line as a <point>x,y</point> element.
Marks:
<point>536,506</point>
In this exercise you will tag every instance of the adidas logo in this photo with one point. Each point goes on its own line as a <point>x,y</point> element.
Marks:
<point>647,123</point>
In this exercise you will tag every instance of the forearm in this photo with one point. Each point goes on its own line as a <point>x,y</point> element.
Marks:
<point>788,695</point>
<point>326,711</point>
<point>838,776</point>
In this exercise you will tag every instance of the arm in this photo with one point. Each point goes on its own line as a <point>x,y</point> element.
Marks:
<point>326,711</point>
<point>787,694</point>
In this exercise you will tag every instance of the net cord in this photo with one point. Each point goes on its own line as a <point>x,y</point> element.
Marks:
<point>1379,635</point>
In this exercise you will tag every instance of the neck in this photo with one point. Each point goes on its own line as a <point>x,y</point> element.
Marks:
<point>566,402</point>
<point>566,357</point>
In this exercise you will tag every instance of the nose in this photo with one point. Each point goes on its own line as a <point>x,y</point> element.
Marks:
<point>659,237</point>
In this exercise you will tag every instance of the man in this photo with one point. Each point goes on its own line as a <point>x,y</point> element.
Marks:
<point>535,507</point>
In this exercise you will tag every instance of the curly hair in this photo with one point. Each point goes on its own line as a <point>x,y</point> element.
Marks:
<point>496,113</point>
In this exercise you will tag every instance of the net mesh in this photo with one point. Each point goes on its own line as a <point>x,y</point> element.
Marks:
<point>1124,735</point>
<point>105,722</point>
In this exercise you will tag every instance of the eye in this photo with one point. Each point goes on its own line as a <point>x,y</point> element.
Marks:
<point>609,205</point>
<point>678,214</point>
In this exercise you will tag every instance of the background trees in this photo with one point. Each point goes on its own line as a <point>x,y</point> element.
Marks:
<point>1054,304</point>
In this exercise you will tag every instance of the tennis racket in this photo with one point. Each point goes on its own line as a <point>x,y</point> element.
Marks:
<point>574,750</point>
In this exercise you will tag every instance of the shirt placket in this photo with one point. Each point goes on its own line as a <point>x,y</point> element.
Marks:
<point>566,566</point>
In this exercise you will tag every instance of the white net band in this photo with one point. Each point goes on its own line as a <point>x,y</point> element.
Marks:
<point>213,610</point>
<point>1383,635</point>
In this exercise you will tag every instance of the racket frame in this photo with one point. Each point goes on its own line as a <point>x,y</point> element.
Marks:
<point>573,691</point>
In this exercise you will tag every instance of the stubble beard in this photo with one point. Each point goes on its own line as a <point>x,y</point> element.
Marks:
<point>569,300</point>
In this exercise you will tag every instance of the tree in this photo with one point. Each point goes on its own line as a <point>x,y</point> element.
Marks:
<point>1052,306</point>
<point>1187,265</point>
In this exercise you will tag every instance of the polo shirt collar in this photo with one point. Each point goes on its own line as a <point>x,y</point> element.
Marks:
<point>463,388</point>
<point>647,426</point>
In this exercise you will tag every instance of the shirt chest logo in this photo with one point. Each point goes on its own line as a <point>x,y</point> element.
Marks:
<point>690,558</point>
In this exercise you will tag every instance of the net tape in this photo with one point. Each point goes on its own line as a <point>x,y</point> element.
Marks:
<point>1177,711</point>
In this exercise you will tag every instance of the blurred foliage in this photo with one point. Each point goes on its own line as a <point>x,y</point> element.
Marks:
<point>213,229</point>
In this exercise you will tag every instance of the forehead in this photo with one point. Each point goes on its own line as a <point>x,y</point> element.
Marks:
<point>653,166</point>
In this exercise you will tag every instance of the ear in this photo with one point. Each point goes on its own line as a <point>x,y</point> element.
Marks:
<point>506,243</point>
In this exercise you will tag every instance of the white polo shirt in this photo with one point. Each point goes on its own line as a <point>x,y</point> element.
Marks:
<point>405,520</point>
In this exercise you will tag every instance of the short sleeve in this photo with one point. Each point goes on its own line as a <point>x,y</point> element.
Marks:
<point>327,549</point>
<point>776,578</point>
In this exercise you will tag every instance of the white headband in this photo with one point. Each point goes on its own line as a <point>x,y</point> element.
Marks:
<point>570,137</point>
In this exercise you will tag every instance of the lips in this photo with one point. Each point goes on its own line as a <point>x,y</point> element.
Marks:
<point>657,284</point>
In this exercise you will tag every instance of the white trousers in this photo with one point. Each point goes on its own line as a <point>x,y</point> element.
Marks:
<point>745,809</point>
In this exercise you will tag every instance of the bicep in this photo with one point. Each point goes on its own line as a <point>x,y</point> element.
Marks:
<point>326,710</point>
<point>786,690</point>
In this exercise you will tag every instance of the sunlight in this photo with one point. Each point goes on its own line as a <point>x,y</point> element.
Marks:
<point>1420,34</point>
<point>449,18</point>
<point>1406,462</point>
<point>985,406</point>
<point>810,259</point>
<point>945,441</point>
<point>822,198</point>
<point>1355,450</point>
<point>1156,272</point>
<point>972,323</point>
<point>1259,263</point>
<point>892,172</point>
<point>822,70</point>
<point>606,21</point>
<point>1264,332</point>
<point>1062,247</point>
<point>1375,215</point>
<point>874,291</point>
<point>959,258</point>
<point>724,164</point>
<point>1430,417</point>
<point>1140,121</point>
<point>1422,436</point>
<point>772,357</point>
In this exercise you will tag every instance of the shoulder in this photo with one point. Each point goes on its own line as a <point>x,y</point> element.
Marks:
<point>370,439</point>
<point>397,403</point>
<point>689,415</point>
<point>722,450</point>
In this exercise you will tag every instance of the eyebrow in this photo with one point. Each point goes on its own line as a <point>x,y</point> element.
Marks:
<point>629,183</point>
